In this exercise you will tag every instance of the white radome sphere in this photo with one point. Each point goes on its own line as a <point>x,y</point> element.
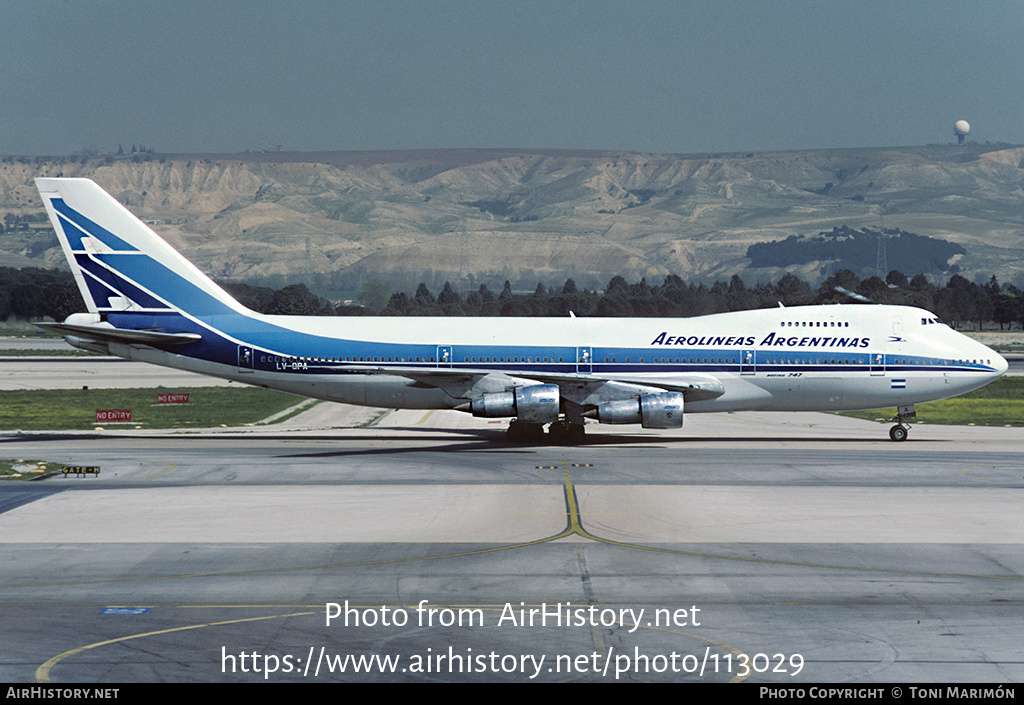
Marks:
<point>961,127</point>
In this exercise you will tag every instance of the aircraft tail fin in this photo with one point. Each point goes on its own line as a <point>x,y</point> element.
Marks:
<point>119,263</point>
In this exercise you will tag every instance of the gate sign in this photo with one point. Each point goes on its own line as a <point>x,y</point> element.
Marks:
<point>108,415</point>
<point>172,398</point>
<point>81,469</point>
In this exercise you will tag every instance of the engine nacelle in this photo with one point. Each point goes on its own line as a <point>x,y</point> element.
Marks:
<point>663,410</point>
<point>534,404</point>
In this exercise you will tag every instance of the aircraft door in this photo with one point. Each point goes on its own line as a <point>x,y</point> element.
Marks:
<point>245,358</point>
<point>584,360</point>
<point>444,355</point>
<point>877,364</point>
<point>748,365</point>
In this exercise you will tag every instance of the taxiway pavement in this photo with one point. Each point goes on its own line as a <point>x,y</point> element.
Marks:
<point>781,548</point>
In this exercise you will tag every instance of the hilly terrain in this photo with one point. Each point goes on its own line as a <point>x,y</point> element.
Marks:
<point>340,219</point>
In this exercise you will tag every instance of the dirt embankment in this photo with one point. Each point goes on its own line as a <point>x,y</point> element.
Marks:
<point>484,215</point>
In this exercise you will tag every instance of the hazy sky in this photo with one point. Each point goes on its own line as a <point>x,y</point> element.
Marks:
<point>716,75</point>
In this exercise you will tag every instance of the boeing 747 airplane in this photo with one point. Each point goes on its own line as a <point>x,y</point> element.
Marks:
<point>147,302</point>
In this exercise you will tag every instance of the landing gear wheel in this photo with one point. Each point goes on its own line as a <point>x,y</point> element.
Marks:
<point>566,433</point>
<point>575,434</point>
<point>521,432</point>
<point>901,430</point>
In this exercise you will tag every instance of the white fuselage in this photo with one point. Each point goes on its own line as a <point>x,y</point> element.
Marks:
<point>783,359</point>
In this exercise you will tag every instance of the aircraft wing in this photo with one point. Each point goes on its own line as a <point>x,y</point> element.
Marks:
<point>583,388</point>
<point>694,387</point>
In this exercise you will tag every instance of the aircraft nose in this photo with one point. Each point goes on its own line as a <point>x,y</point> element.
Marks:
<point>996,361</point>
<point>1000,364</point>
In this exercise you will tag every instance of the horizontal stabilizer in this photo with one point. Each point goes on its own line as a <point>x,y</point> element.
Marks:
<point>109,334</point>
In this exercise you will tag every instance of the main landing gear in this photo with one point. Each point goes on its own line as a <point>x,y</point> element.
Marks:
<point>567,433</point>
<point>522,432</point>
<point>901,430</point>
<point>561,432</point>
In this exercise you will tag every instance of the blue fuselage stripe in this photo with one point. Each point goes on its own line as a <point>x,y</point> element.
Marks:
<point>279,349</point>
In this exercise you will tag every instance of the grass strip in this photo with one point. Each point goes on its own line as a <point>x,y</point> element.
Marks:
<point>1000,403</point>
<point>75,409</point>
<point>27,469</point>
<point>47,352</point>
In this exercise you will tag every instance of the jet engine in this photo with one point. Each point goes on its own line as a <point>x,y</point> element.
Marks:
<point>534,404</point>
<point>664,410</point>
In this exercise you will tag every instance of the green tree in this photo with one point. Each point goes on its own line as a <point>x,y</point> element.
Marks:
<point>897,278</point>
<point>61,299</point>
<point>423,297</point>
<point>1006,308</point>
<point>298,300</point>
<point>450,302</point>
<point>375,294</point>
<point>793,291</point>
<point>617,286</point>
<point>399,305</point>
<point>875,289</point>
